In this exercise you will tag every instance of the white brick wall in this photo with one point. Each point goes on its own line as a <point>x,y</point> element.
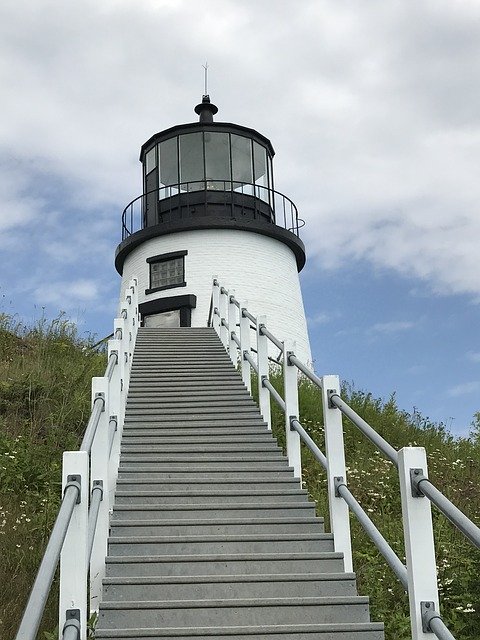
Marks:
<point>262,271</point>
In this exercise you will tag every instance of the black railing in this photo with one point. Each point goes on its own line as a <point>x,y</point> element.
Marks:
<point>189,199</point>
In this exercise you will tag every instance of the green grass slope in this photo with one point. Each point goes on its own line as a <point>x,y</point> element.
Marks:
<point>45,378</point>
<point>45,374</point>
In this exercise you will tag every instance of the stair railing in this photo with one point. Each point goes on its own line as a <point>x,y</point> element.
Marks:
<point>419,575</point>
<point>78,540</point>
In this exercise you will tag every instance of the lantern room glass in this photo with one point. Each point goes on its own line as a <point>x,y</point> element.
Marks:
<point>211,160</point>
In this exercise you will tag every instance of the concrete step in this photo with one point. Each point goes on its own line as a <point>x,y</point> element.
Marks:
<point>215,526</point>
<point>211,544</point>
<point>200,395</point>
<point>212,421</point>
<point>199,510</point>
<point>203,613</point>
<point>207,484</point>
<point>228,412</point>
<point>344,631</point>
<point>160,431</point>
<point>190,456</point>
<point>196,438</point>
<point>142,401</point>
<point>229,587</point>
<point>250,473</point>
<point>207,467</point>
<point>238,564</point>
<point>152,496</point>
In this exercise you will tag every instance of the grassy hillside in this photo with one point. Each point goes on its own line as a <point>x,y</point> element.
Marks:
<point>45,377</point>
<point>45,374</point>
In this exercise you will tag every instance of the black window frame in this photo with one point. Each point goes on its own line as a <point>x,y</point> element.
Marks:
<point>165,257</point>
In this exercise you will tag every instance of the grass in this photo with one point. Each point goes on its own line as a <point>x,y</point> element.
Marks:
<point>45,377</point>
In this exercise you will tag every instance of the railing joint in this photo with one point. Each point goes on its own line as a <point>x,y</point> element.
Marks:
<point>72,620</point>
<point>338,481</point>
<point>74,481</point>
<point>428,613</point>
<point>416,476</point>
<point>330,394</point>
<point>291,420</point>
<point>97,485</point>
<point>102,397</point>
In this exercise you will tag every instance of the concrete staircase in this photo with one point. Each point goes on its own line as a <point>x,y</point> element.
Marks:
<point>211,535</point>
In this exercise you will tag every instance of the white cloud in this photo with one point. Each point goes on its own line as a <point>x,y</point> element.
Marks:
<point>464,389</point>
<point>374,111</point>
<point>395,326</point>
<point>473,356</point>
<point>67,294</point>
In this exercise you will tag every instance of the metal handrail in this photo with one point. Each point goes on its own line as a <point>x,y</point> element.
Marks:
<point>95,500</point>
<point>265,332</point>
<point>274,393</point>
<point>248,315</point>
<point>344,492</point>
<point>112,361</point>
<point>33,613</point>
<point>384,446</point>
<point>251,361</point>
<point>449,510</point>
<point>91,429</point>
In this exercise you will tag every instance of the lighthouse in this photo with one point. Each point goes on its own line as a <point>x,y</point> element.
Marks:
<point>209,208</point>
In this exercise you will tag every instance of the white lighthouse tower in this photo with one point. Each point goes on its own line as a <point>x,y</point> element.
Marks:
<point>209,207</point>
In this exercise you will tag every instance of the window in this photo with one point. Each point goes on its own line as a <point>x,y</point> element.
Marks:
<point>167,271</point>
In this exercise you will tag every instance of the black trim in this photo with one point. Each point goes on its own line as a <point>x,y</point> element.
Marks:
<point>184,303</point>
<point>167,286</point>
<point>211,222</point>
<point>167,256</point>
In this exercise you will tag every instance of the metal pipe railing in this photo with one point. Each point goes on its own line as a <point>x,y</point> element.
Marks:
<point>247,314</point>
<point>449,510</point>
<point>252,362</point>
<point>112,361</point>
<point>95,500</point>
<point>365,428</point>
<point>297,426</point>
<point>98,407</point>
<point>274,393</point>
<point>437,625</point>
<point>33,613</point>
<point>112,426</point>
<point>393,561</point>
<point>236,339</point>
<point>264,331</point>
<point>292,358</point>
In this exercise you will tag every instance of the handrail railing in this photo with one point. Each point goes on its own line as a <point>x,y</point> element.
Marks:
<point>41,588</point>
<point>159,205</point>
<point>410,462</point>
<point>81,526</point>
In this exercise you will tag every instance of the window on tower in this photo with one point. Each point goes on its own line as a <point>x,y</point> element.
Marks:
<point>167,271</point>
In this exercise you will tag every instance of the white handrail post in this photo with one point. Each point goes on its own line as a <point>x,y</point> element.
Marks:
<point>290,382</point>
<point>232,327</point>
<point>263,372</point>
<point>419,544</point>
<point>116,411</point>
<point>134,307</point>
<point>216,305</point>
<point>222,308</point>
<point>73,558</point>
<point>245,348</point>
<point>335,451</point>
<point>99,472</point>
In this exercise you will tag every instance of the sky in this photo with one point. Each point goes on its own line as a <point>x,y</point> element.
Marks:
<point>373,109</point>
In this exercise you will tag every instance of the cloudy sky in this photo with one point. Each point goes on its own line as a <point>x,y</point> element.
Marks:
<point>373,108</point>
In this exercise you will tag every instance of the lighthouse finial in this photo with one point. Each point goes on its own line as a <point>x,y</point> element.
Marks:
<point>205,66</point>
